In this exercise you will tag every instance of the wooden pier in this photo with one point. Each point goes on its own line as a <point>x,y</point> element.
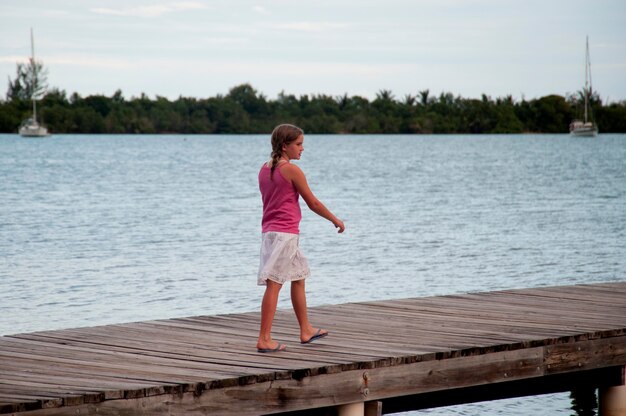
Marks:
<point>399,354</point>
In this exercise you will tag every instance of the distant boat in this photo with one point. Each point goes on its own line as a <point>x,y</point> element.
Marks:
<point>586,127</point>
<point>30,127</point>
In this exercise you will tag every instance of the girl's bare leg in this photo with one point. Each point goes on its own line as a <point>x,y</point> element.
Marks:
<point>268,310</point>
<point>298,300</point>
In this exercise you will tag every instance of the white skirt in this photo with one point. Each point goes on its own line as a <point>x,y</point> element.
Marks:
<point>281,259</point>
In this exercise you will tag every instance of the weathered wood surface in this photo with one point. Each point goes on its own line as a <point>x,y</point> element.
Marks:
<point>376,350</point>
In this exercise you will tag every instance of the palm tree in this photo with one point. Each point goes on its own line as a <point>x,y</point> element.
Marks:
<point>424,96</point>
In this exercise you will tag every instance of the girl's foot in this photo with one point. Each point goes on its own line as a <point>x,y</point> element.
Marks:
<point>312,335</point>
<point>271,347</point>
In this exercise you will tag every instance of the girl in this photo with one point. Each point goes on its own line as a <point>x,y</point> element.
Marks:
<point>281,183</point>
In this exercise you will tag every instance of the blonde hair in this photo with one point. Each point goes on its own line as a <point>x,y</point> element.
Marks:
<point>282,135</point>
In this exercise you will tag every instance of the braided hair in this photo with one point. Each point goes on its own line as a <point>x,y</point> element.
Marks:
<point>282,135</point>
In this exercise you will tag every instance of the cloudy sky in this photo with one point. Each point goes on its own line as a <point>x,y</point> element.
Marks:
<point>201,48</point>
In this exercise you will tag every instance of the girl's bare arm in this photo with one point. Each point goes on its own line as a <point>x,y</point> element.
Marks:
<point>295,174</point>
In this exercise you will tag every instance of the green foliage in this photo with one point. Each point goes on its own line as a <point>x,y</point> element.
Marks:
<point>245,110</point>
<point>30,81</point>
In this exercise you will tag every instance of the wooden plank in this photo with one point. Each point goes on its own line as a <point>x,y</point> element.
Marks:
<point>12,404</point>
<point>86,395</point>
<point>110,388</point>
<point>528,314</point>
<point>459,325</point>
<point>44,401</point>
<point>585,355</point>
<point>511,305</point>
<point>290,360</point>
<point>106,356</point>
<point>153,369</point>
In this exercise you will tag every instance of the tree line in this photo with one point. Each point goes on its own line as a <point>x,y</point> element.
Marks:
<point>245,110</point>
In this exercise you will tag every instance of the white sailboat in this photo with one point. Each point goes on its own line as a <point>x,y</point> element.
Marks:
<point>585,127</point>
<point>30,127</point>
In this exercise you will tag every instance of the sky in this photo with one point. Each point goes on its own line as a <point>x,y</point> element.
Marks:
<point>201,48</point>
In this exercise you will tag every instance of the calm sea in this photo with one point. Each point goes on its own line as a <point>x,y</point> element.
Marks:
<point>107,229</point>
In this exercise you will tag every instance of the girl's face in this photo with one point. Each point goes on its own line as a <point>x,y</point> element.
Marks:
<point>294,149</point>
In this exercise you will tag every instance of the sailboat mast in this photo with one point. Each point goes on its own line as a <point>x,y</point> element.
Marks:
<point>32,54</point>
<point>586,77</point>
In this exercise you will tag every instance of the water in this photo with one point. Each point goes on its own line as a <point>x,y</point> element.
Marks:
<point>106,229</point>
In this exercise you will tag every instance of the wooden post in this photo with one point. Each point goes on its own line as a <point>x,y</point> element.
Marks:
<point>613,399</point>
<point>373,409</point>
<point>352,409</point>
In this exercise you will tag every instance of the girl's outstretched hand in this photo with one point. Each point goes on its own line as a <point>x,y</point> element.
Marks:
<point>339,224</point>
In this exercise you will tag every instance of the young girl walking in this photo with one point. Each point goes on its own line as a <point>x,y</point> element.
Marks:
<point>281,183</point>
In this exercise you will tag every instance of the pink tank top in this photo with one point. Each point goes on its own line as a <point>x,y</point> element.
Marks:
<point>281,209</point>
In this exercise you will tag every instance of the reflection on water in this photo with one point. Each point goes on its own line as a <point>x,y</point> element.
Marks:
<point>584,401</point>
